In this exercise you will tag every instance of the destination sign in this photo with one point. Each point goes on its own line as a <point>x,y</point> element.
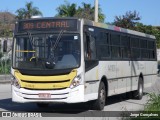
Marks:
<point>48,24</point>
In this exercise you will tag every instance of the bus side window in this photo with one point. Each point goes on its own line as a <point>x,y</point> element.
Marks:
<point>90,53</point>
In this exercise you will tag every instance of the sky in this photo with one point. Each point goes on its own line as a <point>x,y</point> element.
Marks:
<point>148,9</point>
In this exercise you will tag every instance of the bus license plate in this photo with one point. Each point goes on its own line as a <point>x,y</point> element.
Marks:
<point>44,95</point>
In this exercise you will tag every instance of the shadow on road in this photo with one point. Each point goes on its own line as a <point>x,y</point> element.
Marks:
<point>127,97</point>
<point>8,105</point>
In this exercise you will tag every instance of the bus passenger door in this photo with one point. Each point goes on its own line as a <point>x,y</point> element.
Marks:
<point>91,65</point>
<point>124,65</point>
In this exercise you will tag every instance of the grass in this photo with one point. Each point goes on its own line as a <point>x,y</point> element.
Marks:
<point>153,103</point>
<point>152,106</point>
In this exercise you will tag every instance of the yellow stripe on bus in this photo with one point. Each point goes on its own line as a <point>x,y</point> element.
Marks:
<point>38,82</point>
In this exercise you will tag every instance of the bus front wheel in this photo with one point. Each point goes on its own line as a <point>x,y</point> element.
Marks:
<point>100,102</point>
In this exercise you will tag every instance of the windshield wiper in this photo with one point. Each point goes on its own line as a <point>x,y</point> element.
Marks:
<point>58,39</point>
<point>30,38</point>
<point>50,63</point>
<point>53,47</point>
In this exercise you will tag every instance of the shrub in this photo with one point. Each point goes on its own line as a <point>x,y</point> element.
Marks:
<point>153,103</point>
<point>5,67</point>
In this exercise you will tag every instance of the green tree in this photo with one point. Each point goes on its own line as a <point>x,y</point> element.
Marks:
<point>148,29</point>
<point>144,28</point>
<point>7,22</point>
<point>28,11</point>
<point>5,30</point>
<point>66,10</point>
<point>20,13</point>
<point>156,33</point>
<point>85,11</point>
<point>129,20</point>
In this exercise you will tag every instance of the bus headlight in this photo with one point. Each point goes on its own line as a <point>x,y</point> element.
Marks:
<point>15,82</point>
<point>76,81</point>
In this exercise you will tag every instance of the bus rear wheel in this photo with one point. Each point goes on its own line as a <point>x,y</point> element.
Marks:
<point>138,94</point>
<point>100,102</point>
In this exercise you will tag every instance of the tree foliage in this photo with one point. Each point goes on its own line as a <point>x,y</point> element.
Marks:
<point>148,29</point>
<point>144,28</point>
<point>85,11</point>
<point>5,30</point>
<point>28,11</point>
<point>66,10</point>
<point>6,24</point>
<point>129,20</point>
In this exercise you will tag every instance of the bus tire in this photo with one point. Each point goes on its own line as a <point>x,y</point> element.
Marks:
<point>42,105</point>
<point>138,94</point>
<point>100,102</point>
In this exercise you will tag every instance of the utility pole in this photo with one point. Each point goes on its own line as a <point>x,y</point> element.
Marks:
<point>96,11</point>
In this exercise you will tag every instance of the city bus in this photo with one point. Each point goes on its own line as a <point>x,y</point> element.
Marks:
<point>71,60</point>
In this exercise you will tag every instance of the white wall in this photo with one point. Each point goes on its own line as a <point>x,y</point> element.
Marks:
<point>158,54</point>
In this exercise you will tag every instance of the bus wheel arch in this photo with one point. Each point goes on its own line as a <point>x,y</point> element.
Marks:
<point>100,102</point>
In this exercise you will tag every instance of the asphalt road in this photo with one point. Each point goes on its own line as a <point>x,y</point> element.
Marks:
<point>114,103</point>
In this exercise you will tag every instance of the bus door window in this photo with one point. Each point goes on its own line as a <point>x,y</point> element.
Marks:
<point>90,53</point>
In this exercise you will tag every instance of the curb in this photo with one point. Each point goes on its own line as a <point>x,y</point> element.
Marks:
<point>5,81</point>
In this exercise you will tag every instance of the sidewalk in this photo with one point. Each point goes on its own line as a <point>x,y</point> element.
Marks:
<point>5,79</point>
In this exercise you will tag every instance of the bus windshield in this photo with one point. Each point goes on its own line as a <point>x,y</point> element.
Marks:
<point>46,51</point>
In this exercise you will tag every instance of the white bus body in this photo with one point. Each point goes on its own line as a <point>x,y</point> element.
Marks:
<point>120,72</point>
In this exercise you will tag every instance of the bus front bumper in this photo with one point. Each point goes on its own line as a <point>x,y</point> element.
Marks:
<point>68,95</point>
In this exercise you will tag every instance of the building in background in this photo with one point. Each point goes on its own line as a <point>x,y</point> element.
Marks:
<point>8,43</point>
<point>7,21</point>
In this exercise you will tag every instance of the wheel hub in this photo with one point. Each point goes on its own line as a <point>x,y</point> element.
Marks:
<point>102,96</point>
